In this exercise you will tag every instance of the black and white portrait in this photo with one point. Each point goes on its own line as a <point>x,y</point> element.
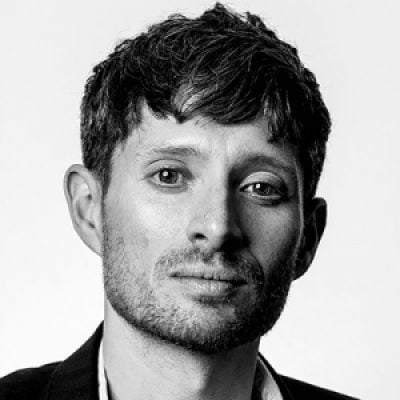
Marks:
<point>205,193</point>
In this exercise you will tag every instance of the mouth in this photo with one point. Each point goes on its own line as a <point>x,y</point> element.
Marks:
<point>209,275</point>
<point>206,283</point>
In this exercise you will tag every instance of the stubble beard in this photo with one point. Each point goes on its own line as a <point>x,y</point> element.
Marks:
<point>201,328</point>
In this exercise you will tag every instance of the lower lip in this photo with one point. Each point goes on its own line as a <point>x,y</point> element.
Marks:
<point>209,287</point>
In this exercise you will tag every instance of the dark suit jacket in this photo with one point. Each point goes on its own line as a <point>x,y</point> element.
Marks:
<point>76,379</point>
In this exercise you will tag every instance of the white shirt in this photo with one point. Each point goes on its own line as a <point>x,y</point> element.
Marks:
<point>266,383</point>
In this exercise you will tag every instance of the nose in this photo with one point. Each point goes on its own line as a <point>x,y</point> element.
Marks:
<point>214,222</point>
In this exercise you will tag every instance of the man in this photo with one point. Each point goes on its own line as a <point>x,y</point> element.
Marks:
<point>203,141</point>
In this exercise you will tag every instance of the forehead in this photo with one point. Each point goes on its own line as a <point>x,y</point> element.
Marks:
<point>205,139</point>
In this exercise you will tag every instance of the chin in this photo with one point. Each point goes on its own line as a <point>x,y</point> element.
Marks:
<point>205,327</point>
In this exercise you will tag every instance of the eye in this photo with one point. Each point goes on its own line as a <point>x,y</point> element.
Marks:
<point>264,192</point>
<point>168,177</point>
<point>260,189</point>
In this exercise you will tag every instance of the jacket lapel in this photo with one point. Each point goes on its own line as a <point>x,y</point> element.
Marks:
<point>76,377</point>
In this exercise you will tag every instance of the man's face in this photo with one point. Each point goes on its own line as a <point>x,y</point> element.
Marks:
<point>202,224</point>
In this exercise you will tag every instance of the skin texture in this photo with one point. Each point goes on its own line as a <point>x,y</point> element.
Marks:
<point>190,205</point>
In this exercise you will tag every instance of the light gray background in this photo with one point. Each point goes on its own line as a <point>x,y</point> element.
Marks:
<point>341,326</point>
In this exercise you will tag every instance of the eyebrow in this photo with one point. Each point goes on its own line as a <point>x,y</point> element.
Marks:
<point>249,161</point>
<point>260,159</point>
<point>176,150</point>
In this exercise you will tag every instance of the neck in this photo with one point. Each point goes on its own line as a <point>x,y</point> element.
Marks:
<point>149,368</point>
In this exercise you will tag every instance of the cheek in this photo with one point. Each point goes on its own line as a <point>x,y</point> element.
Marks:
<point>145,226</point>
<point>274,234</point>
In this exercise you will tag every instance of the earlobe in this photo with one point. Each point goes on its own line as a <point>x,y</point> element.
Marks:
<point>314,226</point>
<point>83,195</point>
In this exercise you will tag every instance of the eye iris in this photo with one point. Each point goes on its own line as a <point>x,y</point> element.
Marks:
<point>262,188</point>
<point>168,176</point>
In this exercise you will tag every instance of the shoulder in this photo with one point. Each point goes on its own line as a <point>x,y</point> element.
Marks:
<point>26,384</point>
<point>303,390</point>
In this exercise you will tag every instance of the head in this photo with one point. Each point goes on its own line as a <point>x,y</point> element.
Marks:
<point>235,130</point>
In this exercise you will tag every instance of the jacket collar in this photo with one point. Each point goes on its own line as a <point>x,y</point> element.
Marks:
<point>278,379</point>
<point>77,377</point>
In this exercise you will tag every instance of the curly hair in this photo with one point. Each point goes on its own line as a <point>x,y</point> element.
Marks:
<point>223,66</point>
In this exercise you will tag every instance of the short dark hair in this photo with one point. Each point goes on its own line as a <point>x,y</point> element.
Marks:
<point>223,66</point>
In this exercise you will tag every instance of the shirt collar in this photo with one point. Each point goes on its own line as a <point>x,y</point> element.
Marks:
<point>265,385</point>
<point>103,391</point>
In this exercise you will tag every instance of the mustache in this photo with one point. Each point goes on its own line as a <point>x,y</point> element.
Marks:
<point>195,262</point>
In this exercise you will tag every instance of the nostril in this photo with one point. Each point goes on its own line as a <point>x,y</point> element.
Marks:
<point>199,236</point>
<point>228,242</point>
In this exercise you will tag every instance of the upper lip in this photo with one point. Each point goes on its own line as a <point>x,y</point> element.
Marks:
<point>209,274</point>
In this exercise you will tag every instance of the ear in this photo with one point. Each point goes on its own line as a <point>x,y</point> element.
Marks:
<point>314,226</point>
<point>83,194</point>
